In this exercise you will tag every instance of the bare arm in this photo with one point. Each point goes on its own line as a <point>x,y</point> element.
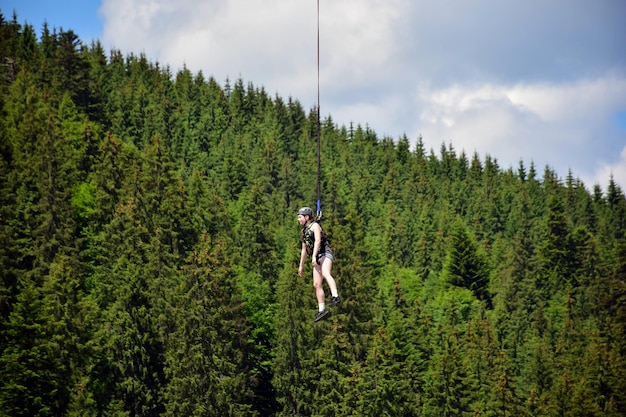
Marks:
<point>302,258</point>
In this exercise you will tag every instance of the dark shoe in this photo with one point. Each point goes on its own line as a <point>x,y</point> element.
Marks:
<point>321,314</point>
<point>335,301</point>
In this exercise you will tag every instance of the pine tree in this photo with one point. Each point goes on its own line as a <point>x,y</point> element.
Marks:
<point>503,400</point>
<point>334,360</point>
<point>390,383</point>
<point>257,277</point>
<point>445,384</point>
<point>354,277</point>
<point>70,70</point>
<point>29,369</point>
<point>465,265</point>
<point>73,313</point>
<point>131,348</point>
<point>208,363</point>
<point>381,385</point>
<point>539,377</point>
<point>9,249</point>
<point>294,370</point>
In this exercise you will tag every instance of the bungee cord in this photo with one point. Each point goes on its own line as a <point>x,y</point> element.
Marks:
<point>319,147</point>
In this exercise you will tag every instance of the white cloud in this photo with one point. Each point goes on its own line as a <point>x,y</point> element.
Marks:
<point>565,126</point>
<point>475,77</point>
<point>272,43</point>
<point>616,169</point>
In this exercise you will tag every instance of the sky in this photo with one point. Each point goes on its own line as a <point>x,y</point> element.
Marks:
<point>536,81</point>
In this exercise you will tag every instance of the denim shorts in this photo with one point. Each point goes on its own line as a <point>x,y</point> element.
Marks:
<point>327,255</point>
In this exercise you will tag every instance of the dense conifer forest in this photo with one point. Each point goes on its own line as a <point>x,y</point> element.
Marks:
<point>149,253</point>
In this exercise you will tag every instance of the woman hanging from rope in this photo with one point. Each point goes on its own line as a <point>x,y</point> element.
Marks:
<point>315,243</point>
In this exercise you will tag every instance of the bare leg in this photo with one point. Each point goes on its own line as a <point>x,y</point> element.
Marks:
<point>326,267</point>
<point>317,284</point>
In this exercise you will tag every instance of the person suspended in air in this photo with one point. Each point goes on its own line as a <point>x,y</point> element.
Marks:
<point>316,244</point>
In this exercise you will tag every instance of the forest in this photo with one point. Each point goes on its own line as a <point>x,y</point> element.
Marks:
<point>149,250</point>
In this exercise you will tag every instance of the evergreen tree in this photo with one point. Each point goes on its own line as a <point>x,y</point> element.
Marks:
<point>208,359</point>
<point>553,253</point>
<point>465,265</point>
<point>390,382</point>
<point>29,368</point>
<point>294,370</point>
<point>129,337</point>
<point>70,70</point>
<point>503,399</point>
<point>445,384</point>
<point>334,360</point>
<point>538,375</point>
<point>74,315</point>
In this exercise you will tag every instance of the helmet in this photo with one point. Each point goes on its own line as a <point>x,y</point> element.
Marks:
<point>306,211</point>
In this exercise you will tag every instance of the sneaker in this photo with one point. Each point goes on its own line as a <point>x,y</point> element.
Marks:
<point>321,314</point>
<point>335,301</point>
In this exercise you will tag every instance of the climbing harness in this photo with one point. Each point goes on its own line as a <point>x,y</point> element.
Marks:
<point>308,238</point>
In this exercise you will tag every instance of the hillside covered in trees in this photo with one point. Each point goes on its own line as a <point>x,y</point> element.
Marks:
<point>149,251</point>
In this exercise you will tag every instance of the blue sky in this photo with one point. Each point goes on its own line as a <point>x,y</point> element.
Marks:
<point>81,16</point>
<point>541,81</point>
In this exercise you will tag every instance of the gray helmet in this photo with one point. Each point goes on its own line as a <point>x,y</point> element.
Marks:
<point>306,211</point>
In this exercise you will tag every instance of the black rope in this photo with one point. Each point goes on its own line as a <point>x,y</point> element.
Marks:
<point>319,147</point>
